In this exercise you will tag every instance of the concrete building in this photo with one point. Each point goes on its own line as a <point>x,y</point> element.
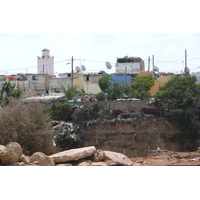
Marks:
<point>129,65</point>
<point>45,63</point>
<point>39,84</point>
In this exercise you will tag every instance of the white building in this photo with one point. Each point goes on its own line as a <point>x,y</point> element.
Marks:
<point>45,63</point>
<point>129,65</point>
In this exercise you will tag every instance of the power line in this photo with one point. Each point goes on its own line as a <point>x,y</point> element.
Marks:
<point>33,66</point>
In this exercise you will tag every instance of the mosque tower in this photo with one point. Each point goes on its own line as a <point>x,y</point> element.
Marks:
<point>45,63</point>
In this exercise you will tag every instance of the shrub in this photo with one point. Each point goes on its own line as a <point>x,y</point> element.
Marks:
<point>100,96</point>
<point>67,140</point>
<point>62,112</point>
<point>27,125</point>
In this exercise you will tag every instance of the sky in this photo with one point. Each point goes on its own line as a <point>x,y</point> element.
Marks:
<point>96,32</point>
<point>19,51</point>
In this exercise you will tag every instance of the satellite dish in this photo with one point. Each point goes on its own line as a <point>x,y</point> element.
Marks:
<point>78,69</point>
<point>155,69</point>
<point>83,67</point>
<point>108,65</point>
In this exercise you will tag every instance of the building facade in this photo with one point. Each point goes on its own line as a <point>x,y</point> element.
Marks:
<point>45,63</point>
<point>129,65</point>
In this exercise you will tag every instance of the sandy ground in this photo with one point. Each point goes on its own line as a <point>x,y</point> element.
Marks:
<point>168,158</point>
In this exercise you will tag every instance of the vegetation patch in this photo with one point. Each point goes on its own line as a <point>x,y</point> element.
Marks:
<point>27,125</point>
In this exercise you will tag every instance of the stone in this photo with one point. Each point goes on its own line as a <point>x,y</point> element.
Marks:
<point>19,164</point>
<point>65,164</point>
<point>85,163</point>
<point>2,147</point>
<point>11,153</point>
<point>99,156</point>
<point>118,158</point>
<point>24,159</point>
<point>73,154</point>
<point>46,161</point>
<point>36,156</point>
<point>99,164</point>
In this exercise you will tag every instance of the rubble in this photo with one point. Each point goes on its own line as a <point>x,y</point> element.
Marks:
<point>12,155</point>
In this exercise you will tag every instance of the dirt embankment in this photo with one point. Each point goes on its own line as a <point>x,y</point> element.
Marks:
<point>136,137</point>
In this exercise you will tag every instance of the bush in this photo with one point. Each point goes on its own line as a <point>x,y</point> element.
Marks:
<point>61,112</point>
<point>27,125</point>
<point>67,140</point>
<point>100,96</point>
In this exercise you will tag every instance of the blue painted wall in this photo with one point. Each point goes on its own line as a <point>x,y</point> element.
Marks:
<point>122,79</point>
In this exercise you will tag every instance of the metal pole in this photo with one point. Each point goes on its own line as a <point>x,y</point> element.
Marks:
<point>72,73</point>
<point>185,58</point>
<point>153,62</point>
<point>149,63</point>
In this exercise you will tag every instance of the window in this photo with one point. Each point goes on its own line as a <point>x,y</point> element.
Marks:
<point>34,78</point>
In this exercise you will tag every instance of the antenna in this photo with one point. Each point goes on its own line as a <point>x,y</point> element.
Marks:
<point>108,65</point>
<point>78,69</point>
<point>83,67</point>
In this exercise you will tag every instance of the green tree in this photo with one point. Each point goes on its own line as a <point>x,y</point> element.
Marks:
<point>100,96</point>
<point>181,95</point>
<point>111,88</point>
<point>9,90</point>
<point>141,86</point>
<point>105,82</point>
<point>114,91</point>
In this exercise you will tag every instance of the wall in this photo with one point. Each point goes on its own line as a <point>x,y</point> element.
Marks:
<point>159,83</point>
<point>134,137</point>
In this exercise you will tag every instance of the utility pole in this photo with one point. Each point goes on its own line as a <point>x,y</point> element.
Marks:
<point>187,71</point>
<point>153,62</point>
<point>149,64</point>
<point>185,58</point>
<point>72,72</point>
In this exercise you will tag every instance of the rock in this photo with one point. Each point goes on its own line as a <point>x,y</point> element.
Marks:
<point>99,164</point>
<point>85,163</point>
<point>2,147</point>
<point>36,156</point>
<point>99,156</point>
<point>19,164</point>
<point>73,154</point>
<point>66,164</point>
<point>118,158</point>
<point>11,153</point>
<point>46,161</point>
<point>24,159</point>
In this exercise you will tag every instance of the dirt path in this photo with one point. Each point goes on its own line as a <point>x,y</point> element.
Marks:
<point>168,158</point>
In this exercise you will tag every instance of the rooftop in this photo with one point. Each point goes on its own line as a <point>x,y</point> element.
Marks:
<point>45,49</point>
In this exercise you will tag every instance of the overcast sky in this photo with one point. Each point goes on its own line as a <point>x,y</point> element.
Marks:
<point>19,51</point>
<point>94,33</point>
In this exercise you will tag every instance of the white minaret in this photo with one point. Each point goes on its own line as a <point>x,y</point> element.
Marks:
<point>45,63</point>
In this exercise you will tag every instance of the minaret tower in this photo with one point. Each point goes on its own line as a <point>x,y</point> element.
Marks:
<point>45,63</point>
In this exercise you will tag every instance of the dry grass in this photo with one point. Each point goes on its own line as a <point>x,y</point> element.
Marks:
<point>27,125</point>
